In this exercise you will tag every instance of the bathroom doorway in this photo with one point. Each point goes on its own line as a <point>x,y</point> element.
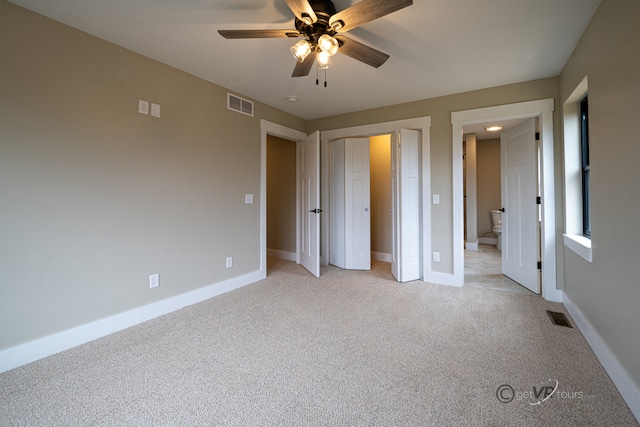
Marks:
<point>500,167</point>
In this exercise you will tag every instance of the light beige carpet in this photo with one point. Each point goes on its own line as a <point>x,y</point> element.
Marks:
<point>348,349</point>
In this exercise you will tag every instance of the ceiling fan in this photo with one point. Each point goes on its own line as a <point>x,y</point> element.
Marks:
<point>321,29</point>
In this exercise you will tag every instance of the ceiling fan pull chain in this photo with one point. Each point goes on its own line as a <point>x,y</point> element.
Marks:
<point>325,77</point>
<point>317,76</point>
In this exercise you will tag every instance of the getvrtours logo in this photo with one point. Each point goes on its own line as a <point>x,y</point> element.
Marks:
<point>538,393</point>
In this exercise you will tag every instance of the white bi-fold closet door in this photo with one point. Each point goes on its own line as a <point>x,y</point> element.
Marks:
<point>350,235</point>
<point>350,215</point>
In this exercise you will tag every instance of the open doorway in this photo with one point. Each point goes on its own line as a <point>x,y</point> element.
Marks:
<point>360,217</point>
<point>500,257</point>
<point>349,209</point>
<point>268,130</point>
<point>543,110</point>
<point>281,198</point>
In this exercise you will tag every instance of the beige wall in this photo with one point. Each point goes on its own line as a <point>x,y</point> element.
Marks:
<point>488,181</point>
<point>281,194</point>
<point>607,291</point>
<point>96,197</point>
<point>380,155</point>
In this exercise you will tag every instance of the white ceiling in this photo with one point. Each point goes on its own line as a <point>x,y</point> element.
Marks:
<point>481,133</point>
<point>437,47</point>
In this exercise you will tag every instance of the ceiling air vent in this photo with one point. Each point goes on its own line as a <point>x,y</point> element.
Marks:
<point>240,105</point>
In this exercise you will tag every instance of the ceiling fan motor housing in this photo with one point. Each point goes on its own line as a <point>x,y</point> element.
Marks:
<point>324,10</point>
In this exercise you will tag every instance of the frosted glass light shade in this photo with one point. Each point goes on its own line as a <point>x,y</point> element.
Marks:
<point>328,44</point>
<point>324,60</point>
<point>301,50</point>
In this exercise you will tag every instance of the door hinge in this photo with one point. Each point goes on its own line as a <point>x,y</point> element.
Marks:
<point>539,265</point>
<point>538,200</point>
<point>537,136</point>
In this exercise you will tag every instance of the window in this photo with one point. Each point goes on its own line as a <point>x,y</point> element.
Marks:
<point>584,150</point>
<point>577,172</point>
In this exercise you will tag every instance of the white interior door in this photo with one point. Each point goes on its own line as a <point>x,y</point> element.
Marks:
<point>337,245</point>
<point>357,202</point>
<point>309,207</point>
<point>349,169</point>
<point>519,219</point>
<point>405,198</point>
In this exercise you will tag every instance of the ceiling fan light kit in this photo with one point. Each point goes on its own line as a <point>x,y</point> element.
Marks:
<point>301,50</point>
<point>318,23</point>
<point>328,44</point>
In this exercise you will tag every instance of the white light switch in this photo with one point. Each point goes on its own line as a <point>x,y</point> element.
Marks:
<point>436,199</point>
<point>154,281</point>
<point>143,106</point>
<point>248,199</point>
<point>155,110</point>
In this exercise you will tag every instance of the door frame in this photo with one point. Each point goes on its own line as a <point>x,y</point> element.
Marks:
<point>422,124</point>
<point>274,129</point>
<point>543,109</point>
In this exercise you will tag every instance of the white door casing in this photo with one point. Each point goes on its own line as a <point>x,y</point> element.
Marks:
<point>405,197</point>
<point>309,208</point>
<point>519,219</point>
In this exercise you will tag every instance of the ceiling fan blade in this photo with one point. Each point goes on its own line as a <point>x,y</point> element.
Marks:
<point>366,11</point>
<point>257,34</point>
<point>301,9</point>
<point>303,68</point>
<point>361,52</point>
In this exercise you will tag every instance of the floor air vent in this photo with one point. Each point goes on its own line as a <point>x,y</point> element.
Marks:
<point>559,319</point>
<point>240,105</point>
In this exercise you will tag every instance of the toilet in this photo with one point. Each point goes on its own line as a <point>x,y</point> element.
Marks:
<point>496,217</point>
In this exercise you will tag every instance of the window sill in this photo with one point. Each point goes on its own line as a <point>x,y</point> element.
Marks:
<point>580,245</point>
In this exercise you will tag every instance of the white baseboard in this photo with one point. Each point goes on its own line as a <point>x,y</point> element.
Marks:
<point>52,344</point>
<point>625,384</point>
<point>471,246</point>
<point>488,240</point>
<point>440,278</point>
<point>379,256</point>
<point>276,253</point>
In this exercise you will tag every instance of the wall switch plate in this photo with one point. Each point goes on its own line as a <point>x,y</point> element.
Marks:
<point>248,199</point>
<point>143,106</point>
<point>436,199</point>
<point>155,110</point>
<point>229,262</point>
<point>436,257</point>
<point>154,281</point>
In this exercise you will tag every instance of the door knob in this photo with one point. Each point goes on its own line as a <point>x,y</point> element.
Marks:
<point>315,210</point>
<point>502,210</point>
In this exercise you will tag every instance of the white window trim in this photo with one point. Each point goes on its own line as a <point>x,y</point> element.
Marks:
<point>573,238</point>
<point>581,245</point>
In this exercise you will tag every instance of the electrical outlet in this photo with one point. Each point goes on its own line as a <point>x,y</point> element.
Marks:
<point>229,262</point>
<point>154,281</point>
<point>436,257</point>
<point>143,106</point>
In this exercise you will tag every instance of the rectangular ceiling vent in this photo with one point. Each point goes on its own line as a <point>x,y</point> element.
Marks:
<point>240,105</point>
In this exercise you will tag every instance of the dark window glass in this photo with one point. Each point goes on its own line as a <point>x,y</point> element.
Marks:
<point>584,145</point>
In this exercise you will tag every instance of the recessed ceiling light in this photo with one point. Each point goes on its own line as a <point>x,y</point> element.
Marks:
<point>292,98</point>
<point>492,128</point>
